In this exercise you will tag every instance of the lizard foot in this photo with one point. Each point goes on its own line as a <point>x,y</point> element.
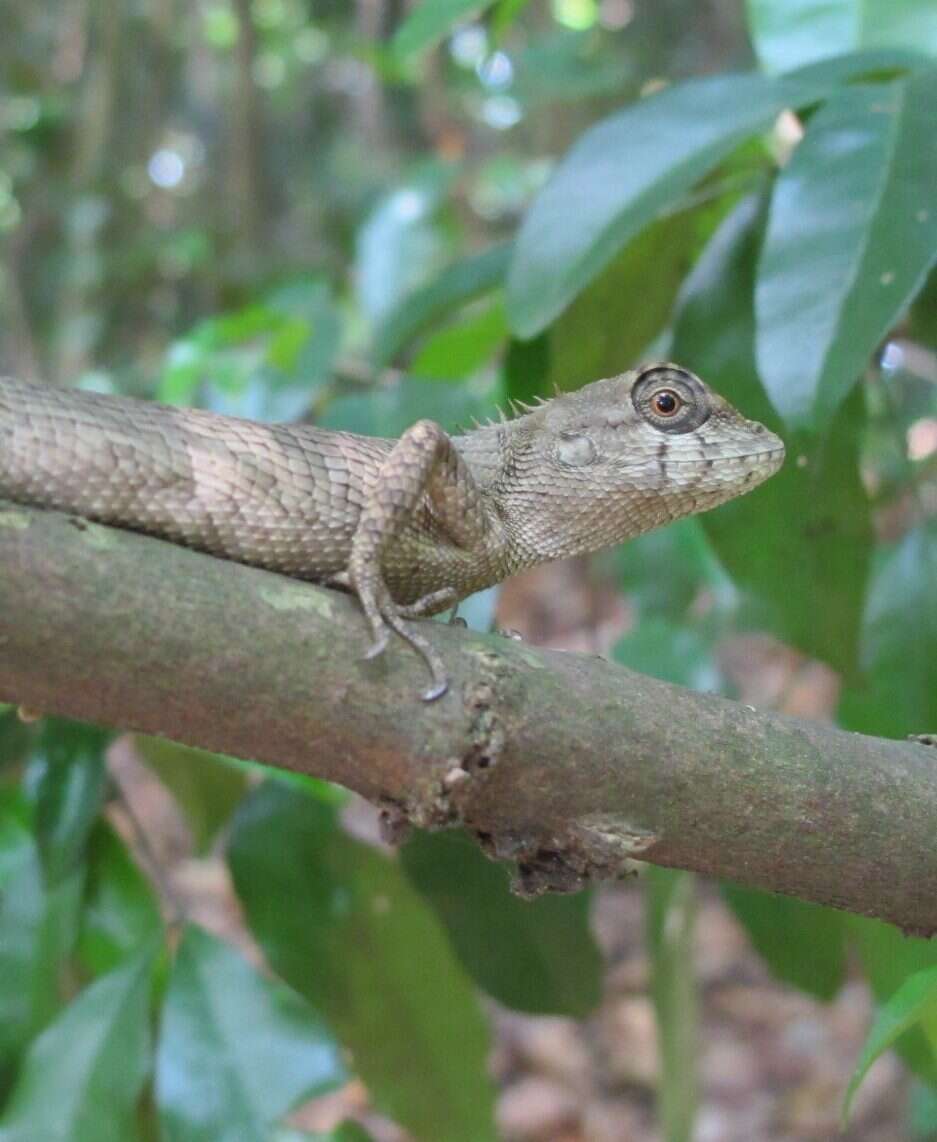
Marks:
<point>377,648</point>
<point>429,604</point>
<point>509,632</point>
<point>385,616</point>
<point>440,685</point>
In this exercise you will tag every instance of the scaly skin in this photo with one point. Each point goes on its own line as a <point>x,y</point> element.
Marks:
<point>410,526</point>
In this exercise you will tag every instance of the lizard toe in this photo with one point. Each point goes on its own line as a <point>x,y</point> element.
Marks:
<point>429,604</point>
<point>379,645</point>
<point>440,680</point>
<point>435,691</point>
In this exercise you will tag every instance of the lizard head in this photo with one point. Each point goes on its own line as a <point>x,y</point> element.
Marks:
<point>624,455</point>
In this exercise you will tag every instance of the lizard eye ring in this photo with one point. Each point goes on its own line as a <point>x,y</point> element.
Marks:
<point>670,399</point>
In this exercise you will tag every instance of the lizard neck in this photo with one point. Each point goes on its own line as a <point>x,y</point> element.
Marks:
<point>484,450</point>
<point>521,495</point>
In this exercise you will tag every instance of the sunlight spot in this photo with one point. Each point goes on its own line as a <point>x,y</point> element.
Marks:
<point>616,14</point>
<point>575,14</point>
<point>922,438</point>
<point>892,357</point>
<point>501,112</point>
<point>166,168</point>
<point>497,71</point>
<point>469,45</point>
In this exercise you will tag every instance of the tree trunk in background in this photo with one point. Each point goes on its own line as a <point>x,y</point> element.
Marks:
<point>245,190</point>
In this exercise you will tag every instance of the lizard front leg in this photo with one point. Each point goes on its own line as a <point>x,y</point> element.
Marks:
<point>424,461</point>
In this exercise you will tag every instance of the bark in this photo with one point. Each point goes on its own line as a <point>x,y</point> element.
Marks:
<point>565,763</point>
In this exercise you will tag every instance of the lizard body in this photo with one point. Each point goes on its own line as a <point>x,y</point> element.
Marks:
<point>410,526</point>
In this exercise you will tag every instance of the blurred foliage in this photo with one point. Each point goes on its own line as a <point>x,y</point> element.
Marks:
<point>371,213</point>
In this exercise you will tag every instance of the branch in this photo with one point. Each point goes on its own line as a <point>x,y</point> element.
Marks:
<point>565,763</point>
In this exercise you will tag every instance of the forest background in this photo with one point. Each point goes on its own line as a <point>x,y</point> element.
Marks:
<point>367,213</point>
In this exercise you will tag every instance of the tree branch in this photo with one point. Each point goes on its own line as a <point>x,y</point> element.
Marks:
<point>563,762</point>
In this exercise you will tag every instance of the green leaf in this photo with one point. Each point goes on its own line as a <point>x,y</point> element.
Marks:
<point>310,339</point>
<point>431,20</point>
<point>889,958</point>
<point>898,693</point>
<point>457,284</point>
<point>391,409</point>
<point>923,317</point>
<point>505,14</point>
<point>526,367</point>
<point>348,1132</point>
<point>16,737</point>
<point>922,1112</point>
<point>400,245</point>
<point>906,23</point>
<point>851,235</point>
<point>38,926</point>
<point>672,651</point>
<point>873,64</point>
<point>803,944</point>
<point>913,1002</point>
<point>609,325</point>
<point>236,1050</point>
<point>81,1078</point>
<point>206,786</point>
<point>463,348</point>
<point>67,780</point>
<point>566,65</point>
<point>791,33</point>
<point>536,956</point>
<point>809,576</point>
<point>624,173</point>
<point>261,361</point>
<point>663,571</point>
<point>120,911</point>
<point>340,923</point>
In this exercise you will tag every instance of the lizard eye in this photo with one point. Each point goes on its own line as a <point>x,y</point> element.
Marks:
<point>667,402</point>
<point>671,399</point>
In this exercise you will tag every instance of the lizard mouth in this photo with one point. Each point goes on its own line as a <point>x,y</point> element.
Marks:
<point>770,459</point>
<point>745,472</point>
<point>759,465</point>
<point>773,457</point>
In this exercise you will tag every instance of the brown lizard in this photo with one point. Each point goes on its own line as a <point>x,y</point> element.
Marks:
<point>410,526</point>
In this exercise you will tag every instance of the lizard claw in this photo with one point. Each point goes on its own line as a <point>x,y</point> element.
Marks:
<point>377,647</point>
<point>425,651</point>
<point>435,691</point>
<point>429,604</point>
<point>384,616</point>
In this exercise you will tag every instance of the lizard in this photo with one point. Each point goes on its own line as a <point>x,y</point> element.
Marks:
<point>410,526</point>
